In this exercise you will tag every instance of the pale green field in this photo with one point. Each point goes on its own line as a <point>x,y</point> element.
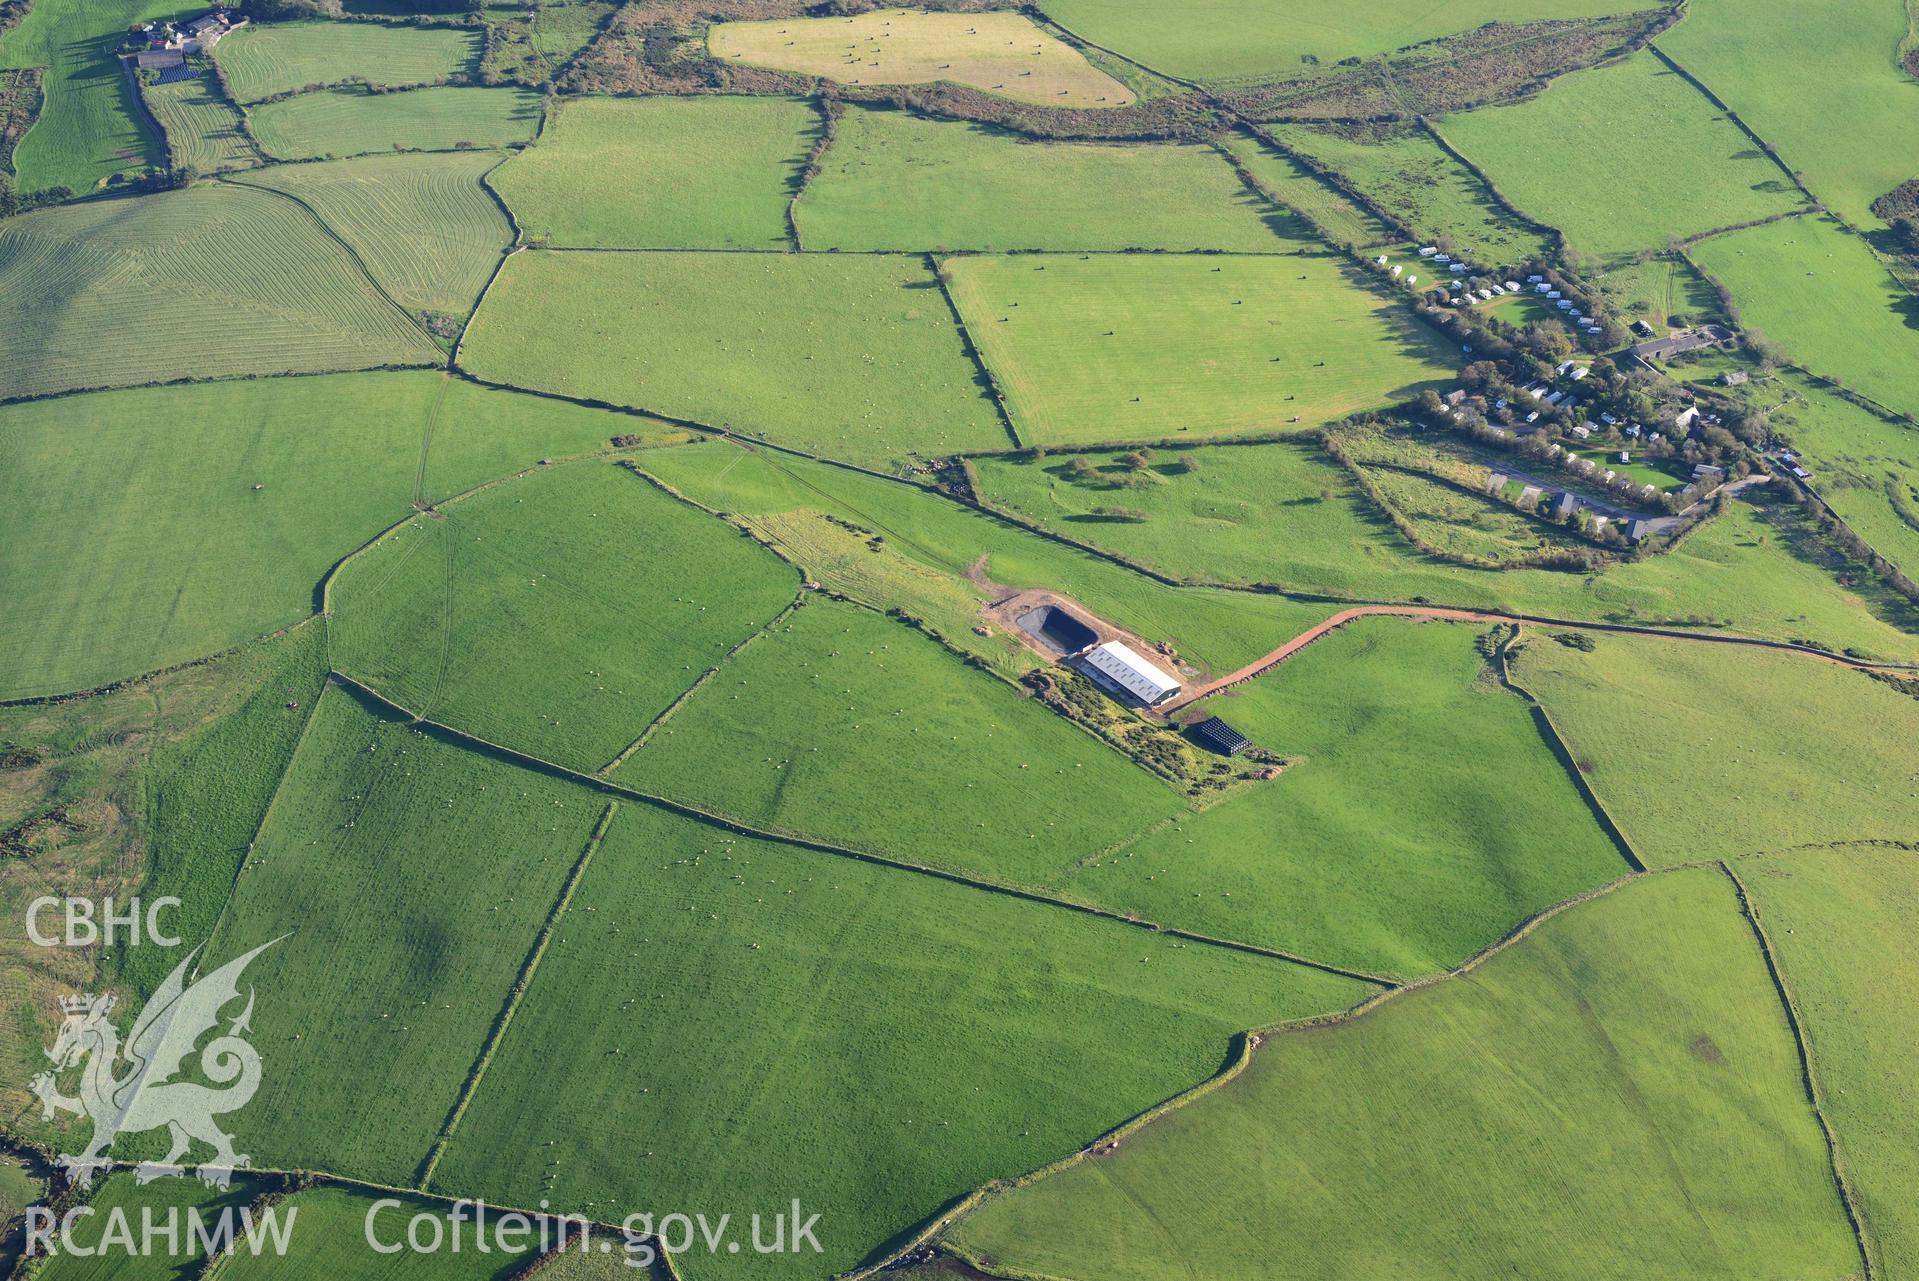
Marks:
<point>1654,160</point>
<point>1700,752</point>
<point>744,1023</point>
<point>348,122</point>
<point>662,173</point>
<point>1819,293</point>
<point>1819,80</point>
<point>1127,348</point>
<point>264,59</point>
<point>210,281</point>
<point>1431,192</point>
<point>1254,40</point>
<point>1000,52</point>
<point>855,357</point>
<point>1843,922</point>
<point>149,543</point>
<point>1478,1128</point>
<point>1656,291</point>
<point>423,225</point>
<point>897,181</point>
<point>204,131</point>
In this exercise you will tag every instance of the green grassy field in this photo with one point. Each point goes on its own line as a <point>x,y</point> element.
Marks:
<point>1484,827</point>
<point>89,128</point>
<point>262,60</point>
<point>1239,40</point>
<point>1466,525</point>
<point>1475,1129</point>
<point>347,122</point>
<point>423,225</point>
<point>112,1260</point>
<point>1328,207</point>
<point>1654,160</point>
<point>1127,348</point>
<point>1285,514</point>
<point>746,1023</point>
<point>1842,922</point>
<point>406,880</point>
<point>662,173</point>
<point>151,544</point>
<point>331,1239</point>
<point>855,357</point>
<point>129,291</point>
<point>1701,753</point>
<point>204,131</point>
<point>1407,172</point>
<point>1819,293</point>
<point>1003,53</point>
<point>822,725</point>
<point>1820,81</point>
<point>1864,466</point>
<point>631,594</point>
<point>966,550</point>
<point>897,181</point>
<point>1659,291</point>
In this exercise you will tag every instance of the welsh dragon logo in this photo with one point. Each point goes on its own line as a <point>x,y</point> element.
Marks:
<point>143,1095</point>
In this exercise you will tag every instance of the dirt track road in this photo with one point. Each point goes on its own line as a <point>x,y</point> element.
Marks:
<point>1266,663</point>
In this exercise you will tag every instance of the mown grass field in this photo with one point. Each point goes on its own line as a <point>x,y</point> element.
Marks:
<point>1240,40</point>
<point>348,122</point>
<point>406,880</point>
<point>204,131</point>
<point>1655,160</point>
<point>1819,80</point>
<point>662,173</point>
<point>1129,348</point>
<point>858,358</point>
<point>1325,205</point>
<point>1286,514</point>
<point>1215,631</point>
<point>1843,922</point>
<point>897,181</point>
<point>150,544</point>
<point>89,128</point>
<point>821,726</point>
<point>630,593</point>
<point>262,60</point>
<point>1484,830</point>
<point>336,1229</point>
<point>1475,1128</point>
<point>1002,53</point>
<point>745,1023</point>
<point>1819,293</point>
<point>1406,172</point>
<point>1744,760</point>
<point>423,225</point>
<point>124,292</point>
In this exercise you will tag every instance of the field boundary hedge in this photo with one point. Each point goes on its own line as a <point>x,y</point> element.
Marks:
<point>1752,135</point>
<point>390,709</point>
<point>1561,750</point>
<point>523,980</point>
<point>829,107</point>
<point>987,378</point>
<point>1809,1075</point>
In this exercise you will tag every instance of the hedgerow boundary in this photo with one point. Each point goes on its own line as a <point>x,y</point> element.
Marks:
<point>1809,1075</point>
<point>521,982</point>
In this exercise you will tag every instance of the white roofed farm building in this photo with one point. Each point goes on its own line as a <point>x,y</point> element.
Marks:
<point>1116,667</point>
